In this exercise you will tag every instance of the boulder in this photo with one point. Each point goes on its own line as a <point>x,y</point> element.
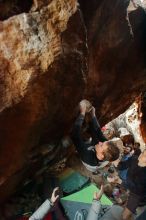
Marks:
<point>43,57</point>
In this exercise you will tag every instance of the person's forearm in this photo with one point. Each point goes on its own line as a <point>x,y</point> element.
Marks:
<point>97,130</point>
<point>94,210</point>
<point>95,122</point>
<point>77,125</point>
<point>79,120</point>
<point>42,211</point>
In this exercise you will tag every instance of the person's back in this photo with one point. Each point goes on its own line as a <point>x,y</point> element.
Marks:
<point>136,182</point>
<point>136,177</point>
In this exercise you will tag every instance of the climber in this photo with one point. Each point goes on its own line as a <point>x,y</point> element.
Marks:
<point>135,182</point>
<point>94,153</point>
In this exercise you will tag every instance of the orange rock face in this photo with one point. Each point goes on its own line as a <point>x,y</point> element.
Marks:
<point>43,69</point>
<point>117,52</point>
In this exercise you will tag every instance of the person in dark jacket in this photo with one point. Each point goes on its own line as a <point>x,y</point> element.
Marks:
<point>135,182</point>
<point>100,149</point>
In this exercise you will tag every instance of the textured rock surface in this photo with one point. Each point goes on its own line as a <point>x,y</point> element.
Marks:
<point>128,125</point>
<point>117,53</point>
<point>43,65</point>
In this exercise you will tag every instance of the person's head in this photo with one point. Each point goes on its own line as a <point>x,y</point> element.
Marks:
<point>136,146</point>
<point>142,159</point>
<point>127,140</point>
<point>107,151</point>
<point>127,150</point>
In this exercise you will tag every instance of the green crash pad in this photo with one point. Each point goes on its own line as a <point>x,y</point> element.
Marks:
<point>77,205</point>
<point>85,195</point>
